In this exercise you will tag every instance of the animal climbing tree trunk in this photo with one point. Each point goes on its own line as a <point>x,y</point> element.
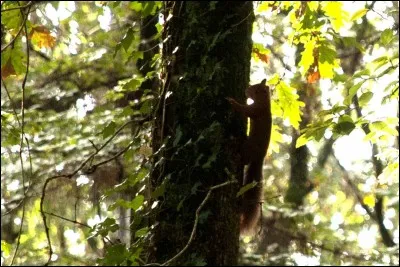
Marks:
<point>197,136</point>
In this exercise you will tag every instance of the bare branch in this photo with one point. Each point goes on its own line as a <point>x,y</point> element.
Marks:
<point>70,175</point>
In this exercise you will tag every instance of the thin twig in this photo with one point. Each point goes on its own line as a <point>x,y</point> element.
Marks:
<point>69,176</point>
<point>18,33</point>
<point>320,246</point>
<point>355,190</point>
<point>75,222</point>
<point>19,7</point>
<point>11,101</point>
<point>22,137</point>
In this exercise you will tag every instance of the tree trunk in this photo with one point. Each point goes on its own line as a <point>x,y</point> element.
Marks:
<point>196,135</point>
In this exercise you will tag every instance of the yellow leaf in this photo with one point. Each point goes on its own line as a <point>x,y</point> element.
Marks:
<point>307,56</point>
<point>301,141</point>
<point>359,14</point>
<point>336,14</point>
<point>326,70</point>
<point>313,5</point>
<point>41,36</point>
<point>369,200</point>
<point>264,6</point>
<point>276,138</point>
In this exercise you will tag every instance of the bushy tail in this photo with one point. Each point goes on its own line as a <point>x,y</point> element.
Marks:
<point>251,203</point>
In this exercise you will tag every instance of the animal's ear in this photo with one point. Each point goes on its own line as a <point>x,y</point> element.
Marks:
<point>263,81</point>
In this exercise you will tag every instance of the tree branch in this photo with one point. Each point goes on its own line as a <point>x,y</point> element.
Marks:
<point>69,176</point>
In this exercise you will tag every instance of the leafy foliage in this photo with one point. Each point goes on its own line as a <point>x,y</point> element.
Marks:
<point>81,100</point>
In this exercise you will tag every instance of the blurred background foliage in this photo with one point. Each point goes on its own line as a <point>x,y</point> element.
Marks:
<point>330,177</point>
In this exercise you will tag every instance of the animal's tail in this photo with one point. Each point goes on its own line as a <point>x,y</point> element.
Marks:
<point>251,203</point>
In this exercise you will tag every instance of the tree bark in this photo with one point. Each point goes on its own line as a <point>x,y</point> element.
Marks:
<point>196,135</point>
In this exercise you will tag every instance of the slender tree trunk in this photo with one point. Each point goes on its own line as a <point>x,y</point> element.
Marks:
<point>196,136</point>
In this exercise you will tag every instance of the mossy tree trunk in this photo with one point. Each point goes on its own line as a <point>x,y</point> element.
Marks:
<point>197,136</point>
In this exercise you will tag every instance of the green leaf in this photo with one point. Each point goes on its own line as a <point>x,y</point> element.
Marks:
<point>178,136</point>
<point>245,188</point>
<point>137,202</point>
<point>352,91</point>
<point>109,129</point>
<point>364,72</point>
<point>387,36</point>
<point>352,42</point>
<point>11,19</point>
<point>117,48</point>
<point>344,127</point>
<point>128,39</point>
<point>115,255</point>
<point>359,14</point>
<point>13,137</point>
<point>136,5</point>
<point>326,53</point>
<point>345,118</point>
<point>211,159</point>
<point>132,85</point>
<point>128,156</point>
<point>103,228</point>
<point>365,98</point>
<point>142,232</point>
<point>146,107</point>
<point>5,56</point>
<point>127,111</point>
<point>18,58</point>
<point>159,191</point>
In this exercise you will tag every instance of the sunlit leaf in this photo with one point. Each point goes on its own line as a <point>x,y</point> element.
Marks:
<point>141,232</point>
<point>365,98</point>
<point>263,6</point>
<point>352,91</point>
<point>289,103</point>
<point>326,70</point>
<point>301,141</point>
<point>387,36</point>
<point>336,14</point>
<point>42,37</point>
<point>307,56</point>
<point>137,202</point>
<point>5,248</point>
<point>369,200</point>
<point>359,14</point>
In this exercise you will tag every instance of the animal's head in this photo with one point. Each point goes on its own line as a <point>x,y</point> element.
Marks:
<point>258,92</point>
